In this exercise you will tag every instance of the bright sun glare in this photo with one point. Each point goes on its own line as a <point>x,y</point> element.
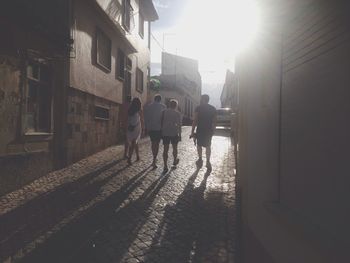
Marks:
<point>213,32</point>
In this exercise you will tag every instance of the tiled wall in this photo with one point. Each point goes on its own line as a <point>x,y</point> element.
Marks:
<point>86,134</point>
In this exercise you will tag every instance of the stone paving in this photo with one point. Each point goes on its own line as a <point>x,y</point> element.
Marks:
<point>102,210</point>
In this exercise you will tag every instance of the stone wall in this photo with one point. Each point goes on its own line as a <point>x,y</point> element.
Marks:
<point>87,134</point>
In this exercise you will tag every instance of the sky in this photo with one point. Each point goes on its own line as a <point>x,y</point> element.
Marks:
<point>210,33</point>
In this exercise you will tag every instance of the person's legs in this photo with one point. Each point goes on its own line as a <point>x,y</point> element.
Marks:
<point>199,151</point>
<point>165,156</point>
<point>208,152</point>
<point>199,162</point>
<point>155,139</point>
<point>126,145</point>
<point>137,151</point>
<point>131,151</point>
<point>126,149</point>
<point>155,149</point>
<point>176,160</point>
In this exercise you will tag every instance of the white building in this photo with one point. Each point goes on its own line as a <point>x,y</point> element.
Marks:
<point>180,80</point>
<point>293,154</point>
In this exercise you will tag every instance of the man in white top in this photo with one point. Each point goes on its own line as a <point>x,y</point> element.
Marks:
<point>171,132</point>
<point>152,117</point>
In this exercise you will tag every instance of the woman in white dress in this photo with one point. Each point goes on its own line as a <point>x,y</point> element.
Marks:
<point>134,130</point>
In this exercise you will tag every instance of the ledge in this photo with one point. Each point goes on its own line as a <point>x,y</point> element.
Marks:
<point>23,154</point>
<point>101,119</point>
<point>37,136</point>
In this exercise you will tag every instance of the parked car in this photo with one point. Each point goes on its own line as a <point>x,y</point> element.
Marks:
<point>223,117</point>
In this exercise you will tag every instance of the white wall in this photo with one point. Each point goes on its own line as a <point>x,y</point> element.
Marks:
<point>88,77</point>
<point>292,156</point>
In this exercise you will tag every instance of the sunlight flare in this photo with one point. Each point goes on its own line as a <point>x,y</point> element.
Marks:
<point>215,33</point>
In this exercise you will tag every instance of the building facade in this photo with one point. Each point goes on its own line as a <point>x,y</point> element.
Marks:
<point>111,59</point>
<point>180,80</point>
<point>65,69</point>
<point>34,48</point>
<point>293,135</point>
<point>229,94</point>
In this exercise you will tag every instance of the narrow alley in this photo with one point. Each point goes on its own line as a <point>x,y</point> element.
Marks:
<point>102,210</point>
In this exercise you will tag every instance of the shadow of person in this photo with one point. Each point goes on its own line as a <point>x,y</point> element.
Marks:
<point>48,209</point>
<point>76,235</point>
<point>121,229</point>
<point>176,235</point>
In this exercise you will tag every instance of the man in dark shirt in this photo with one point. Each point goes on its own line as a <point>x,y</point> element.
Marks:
<point>205,121</point>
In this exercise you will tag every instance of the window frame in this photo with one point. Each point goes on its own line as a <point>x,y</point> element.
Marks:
<point>99,37</point>
<point>128,62</point>
<point>141,26</point>
<point>41,84</point>
<point>107,109</point>
<point>127,84</point>
<point>121,65</point>
<point>126,19</point>
<point>139,77</point>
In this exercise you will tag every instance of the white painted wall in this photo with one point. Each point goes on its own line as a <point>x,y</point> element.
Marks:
<point>88,77</point>
<point>292,156</point>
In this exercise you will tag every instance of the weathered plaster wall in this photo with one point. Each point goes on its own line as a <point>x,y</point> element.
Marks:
<point>21,160</point>
<point>10,98</point>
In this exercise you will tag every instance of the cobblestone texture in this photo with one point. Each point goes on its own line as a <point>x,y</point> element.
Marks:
<point>102,210</point>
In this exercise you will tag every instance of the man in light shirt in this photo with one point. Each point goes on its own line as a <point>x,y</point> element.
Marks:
<point>153,116</point>
<point>171,132</point>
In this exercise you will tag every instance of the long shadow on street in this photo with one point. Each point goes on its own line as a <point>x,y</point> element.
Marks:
<point>85,240</point>
<point>28,221</point>
<point>112,241</point>
<point>190,230</point>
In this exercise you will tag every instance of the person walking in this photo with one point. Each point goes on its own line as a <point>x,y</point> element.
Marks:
<point>153,115</point>
<point>135,127</point>
<point>171,132</point>
<point>124,123</point>
<point>205,121</point>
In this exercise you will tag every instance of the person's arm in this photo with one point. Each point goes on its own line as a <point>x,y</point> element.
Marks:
<point>180,125</point>
<point>162,119</point>
<point>142,122</point>
<point>194,123</point>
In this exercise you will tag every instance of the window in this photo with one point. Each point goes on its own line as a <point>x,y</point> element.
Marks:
<point>127,84</point>
<point>101,113</point>
<point>104,46</point>
<point>127,81</point>
<point>141,25</point>
<point>121,65</point>
<point>139,80</point>
<point>128,63</point>
<point>126,14</point>
<point>38,99</point>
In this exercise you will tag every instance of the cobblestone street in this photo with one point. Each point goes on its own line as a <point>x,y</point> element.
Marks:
<point>102,210</point>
